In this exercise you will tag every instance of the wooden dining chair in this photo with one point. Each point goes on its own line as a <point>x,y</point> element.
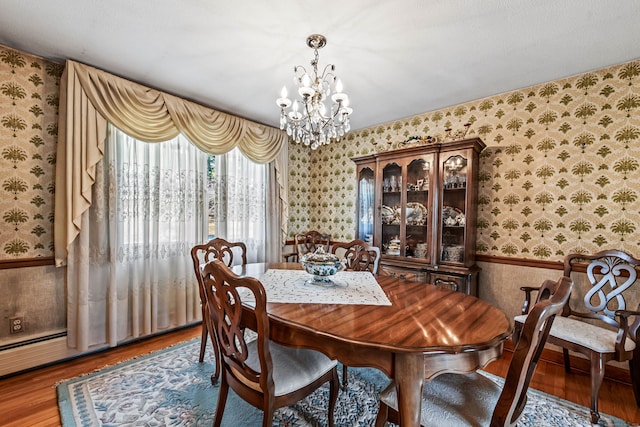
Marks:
<point>598,325</point>
<point>358,256</point>
<point>474,399</point>
<point>263,373</point>
<point>307,242</point>
<point>229,253</point>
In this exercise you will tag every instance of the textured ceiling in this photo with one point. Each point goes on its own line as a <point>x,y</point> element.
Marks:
<point>395,58</point>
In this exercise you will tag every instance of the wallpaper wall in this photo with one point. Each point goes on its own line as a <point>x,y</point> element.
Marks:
<point>559,174</point>
<point>28,134</point>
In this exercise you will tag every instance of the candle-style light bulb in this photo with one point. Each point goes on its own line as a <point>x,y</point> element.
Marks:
<point>283,92</point>
<point>338,85</point>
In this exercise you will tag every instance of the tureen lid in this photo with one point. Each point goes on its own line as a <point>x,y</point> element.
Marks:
<point>320,256</point>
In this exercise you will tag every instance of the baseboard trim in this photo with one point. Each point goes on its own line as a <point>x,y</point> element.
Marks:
<point>28,356</point>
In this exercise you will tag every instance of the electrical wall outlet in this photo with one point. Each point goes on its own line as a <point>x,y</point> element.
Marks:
<point>16,325</point>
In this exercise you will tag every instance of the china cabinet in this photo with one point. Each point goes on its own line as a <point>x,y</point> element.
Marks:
<point>419,206</point>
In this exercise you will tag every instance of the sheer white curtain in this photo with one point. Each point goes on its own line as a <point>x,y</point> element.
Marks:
<point>129,271</point>
<point>239,202</point>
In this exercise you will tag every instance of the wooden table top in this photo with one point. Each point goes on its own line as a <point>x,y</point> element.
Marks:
<point>422,318</point>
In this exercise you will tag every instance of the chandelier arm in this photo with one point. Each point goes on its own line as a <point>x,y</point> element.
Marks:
<point>326,74</point>
<point>308,119</point>
<point>330,119</point>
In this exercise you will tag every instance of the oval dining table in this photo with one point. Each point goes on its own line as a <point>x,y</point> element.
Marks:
<point>425,332</point>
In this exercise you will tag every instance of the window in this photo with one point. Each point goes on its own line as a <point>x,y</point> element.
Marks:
<point>237,192</point>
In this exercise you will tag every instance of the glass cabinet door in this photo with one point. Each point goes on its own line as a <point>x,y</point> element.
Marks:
<point>453,208</point>
<point>405,208</point>
<point>416,218</point>
<point>391,210</point>
<point>366,195</point>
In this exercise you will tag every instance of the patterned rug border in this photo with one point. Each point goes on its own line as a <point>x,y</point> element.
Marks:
<point>66,401</point>
<point>65,404</point>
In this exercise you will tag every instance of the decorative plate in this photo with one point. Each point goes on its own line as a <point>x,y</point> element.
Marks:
<point>388,215</point>
<point>416,213</point>
<point>452,216</point>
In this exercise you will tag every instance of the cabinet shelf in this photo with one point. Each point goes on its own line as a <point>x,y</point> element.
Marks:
<point>430,183</point>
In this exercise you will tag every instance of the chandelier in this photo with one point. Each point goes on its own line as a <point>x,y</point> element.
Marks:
<point>313,120</point>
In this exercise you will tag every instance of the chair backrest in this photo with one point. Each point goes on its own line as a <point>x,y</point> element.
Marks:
<point>534,334</point>
<point>224,295</point>
<point>221,249</point>
<point>610,273</point>
<point>309,241</point>
<point>359,256</point>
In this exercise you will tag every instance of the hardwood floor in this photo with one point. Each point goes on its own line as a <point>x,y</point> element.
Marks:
<point>30,399</point>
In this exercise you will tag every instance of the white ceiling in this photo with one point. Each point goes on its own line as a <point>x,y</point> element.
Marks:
<point>396,58</point>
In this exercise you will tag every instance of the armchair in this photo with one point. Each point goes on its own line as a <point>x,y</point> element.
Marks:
<point>600,325</point>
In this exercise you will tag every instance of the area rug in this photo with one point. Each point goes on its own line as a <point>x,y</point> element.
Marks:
<point>170,388</point>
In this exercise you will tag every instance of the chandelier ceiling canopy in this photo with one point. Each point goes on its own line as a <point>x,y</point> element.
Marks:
<point>321,115</point>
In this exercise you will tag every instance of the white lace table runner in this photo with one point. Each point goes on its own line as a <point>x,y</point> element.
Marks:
<point>351,287</point>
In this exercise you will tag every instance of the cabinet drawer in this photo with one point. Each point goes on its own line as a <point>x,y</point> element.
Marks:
<point>406,273</point>
<point>455,283</point>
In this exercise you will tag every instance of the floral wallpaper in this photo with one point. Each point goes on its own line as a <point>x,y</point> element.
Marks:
<point>29,91</point>
<point>560,173</point>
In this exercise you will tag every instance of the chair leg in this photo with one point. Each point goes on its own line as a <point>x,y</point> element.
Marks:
<point>515,337</point>
<point>383,414</point>
<point>203,340</point>
<point>597,375</point>
<point>222,401</point>
<point>634,370</point>
<point>344,377</point>
<point>334,386</point>
<point>267,416</point>
<point>567,362</point>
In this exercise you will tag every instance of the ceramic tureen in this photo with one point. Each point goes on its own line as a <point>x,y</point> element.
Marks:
<point>321,265</point>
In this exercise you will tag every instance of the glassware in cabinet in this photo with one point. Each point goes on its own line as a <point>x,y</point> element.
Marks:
<point>454,208</point>
<point>416,221</point>
<point>391,210</point>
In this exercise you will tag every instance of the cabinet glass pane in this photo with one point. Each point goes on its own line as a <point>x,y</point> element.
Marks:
<point>366,191</point>
<point>391,209</point>
<point>454,193</point>
<point>416,211</point>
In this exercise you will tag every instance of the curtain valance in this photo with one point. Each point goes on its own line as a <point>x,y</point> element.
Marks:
<point>89,98</point>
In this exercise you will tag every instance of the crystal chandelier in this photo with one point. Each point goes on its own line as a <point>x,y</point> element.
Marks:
<point>317,123</point>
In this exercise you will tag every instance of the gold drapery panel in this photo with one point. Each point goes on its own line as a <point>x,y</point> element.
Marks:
<point>89,98</point>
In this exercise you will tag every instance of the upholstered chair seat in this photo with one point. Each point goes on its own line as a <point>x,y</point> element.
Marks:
<point>584,334</point>
<point>293,368</point>
<point>453,400</point>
